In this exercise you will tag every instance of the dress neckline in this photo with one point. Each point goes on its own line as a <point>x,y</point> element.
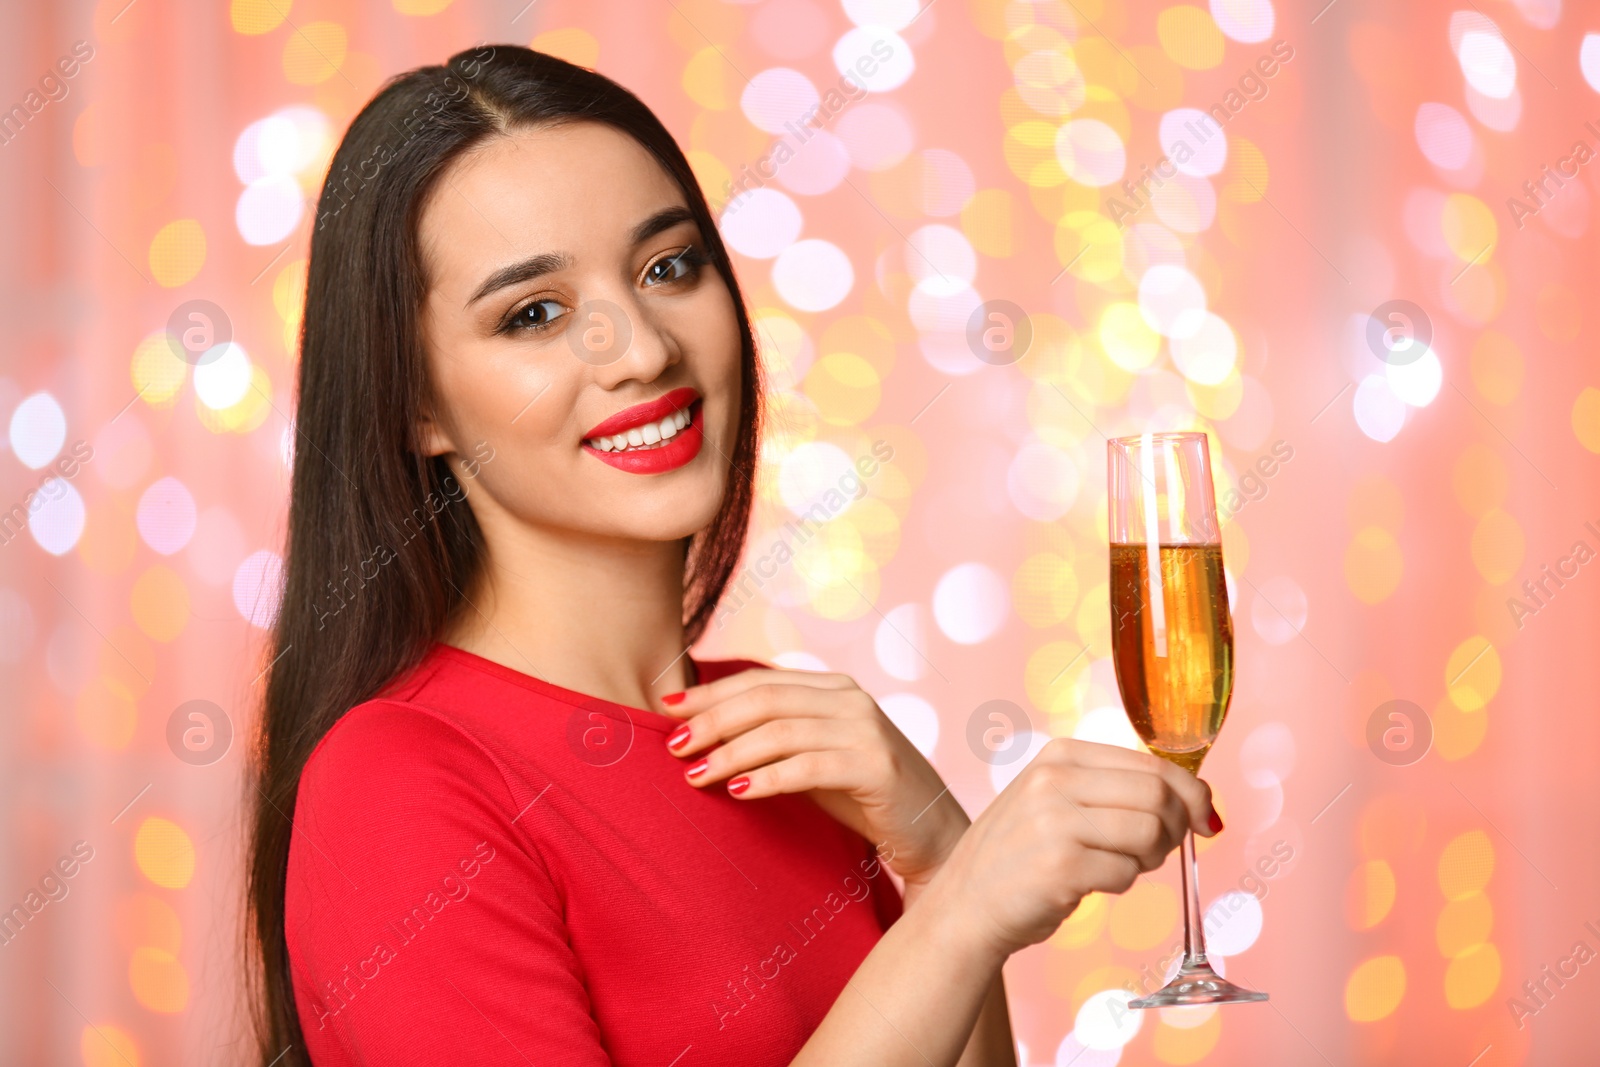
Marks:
<point>646,717</point>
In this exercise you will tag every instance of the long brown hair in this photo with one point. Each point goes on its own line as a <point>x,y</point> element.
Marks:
<point>360,480</point>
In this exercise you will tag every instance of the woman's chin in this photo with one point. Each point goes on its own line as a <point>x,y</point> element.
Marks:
<point>659,517</point>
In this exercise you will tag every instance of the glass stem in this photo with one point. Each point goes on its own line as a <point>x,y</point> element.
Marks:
<point>1194,934</point>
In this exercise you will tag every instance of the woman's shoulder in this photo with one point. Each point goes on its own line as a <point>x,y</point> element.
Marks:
<point>412,720</point>
<point>385,752</point>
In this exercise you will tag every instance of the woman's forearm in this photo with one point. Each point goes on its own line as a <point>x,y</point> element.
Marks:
<point>929,993</point>
<point>991,1043</point>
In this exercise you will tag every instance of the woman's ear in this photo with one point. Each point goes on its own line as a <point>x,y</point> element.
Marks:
<point>432,437</point>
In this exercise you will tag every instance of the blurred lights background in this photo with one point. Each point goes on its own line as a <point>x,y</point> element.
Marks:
<point>1349,242</point>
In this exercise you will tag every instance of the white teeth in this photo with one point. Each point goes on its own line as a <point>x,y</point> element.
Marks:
<point>650,435</point>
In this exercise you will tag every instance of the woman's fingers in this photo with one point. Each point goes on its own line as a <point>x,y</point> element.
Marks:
<point>1140,837</point>
<point>800,773</point>
<point>1194,793</point>
<point>1101,871</point>
<point>697,698</point>
<point>749,708</point>
<point>846,765</point>
<point>1134,791</point>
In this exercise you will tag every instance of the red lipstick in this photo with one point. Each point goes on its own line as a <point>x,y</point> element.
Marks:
<point>639,414</point>
<point>669,453</point>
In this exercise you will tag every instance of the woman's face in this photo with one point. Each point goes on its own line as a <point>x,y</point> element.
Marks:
<point>577,334</point>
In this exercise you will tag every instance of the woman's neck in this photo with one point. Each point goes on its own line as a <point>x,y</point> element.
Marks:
<point>599,616</point>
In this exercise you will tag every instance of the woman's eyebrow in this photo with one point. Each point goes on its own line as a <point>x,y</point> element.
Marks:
<point>550,262</point>
<point>523,271</point>
<point>665,219</point>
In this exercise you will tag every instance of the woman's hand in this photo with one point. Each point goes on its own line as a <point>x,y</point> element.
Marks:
<point>1080,818</point>
<point>787,731</point>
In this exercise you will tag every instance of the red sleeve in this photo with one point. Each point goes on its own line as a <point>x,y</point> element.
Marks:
<point>420,924</point>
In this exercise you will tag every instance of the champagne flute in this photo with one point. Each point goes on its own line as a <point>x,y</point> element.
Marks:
<point>1172,642</point>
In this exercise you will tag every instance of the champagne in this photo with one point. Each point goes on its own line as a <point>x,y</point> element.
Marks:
<point>1174,658</point>
<point>1172,643</point>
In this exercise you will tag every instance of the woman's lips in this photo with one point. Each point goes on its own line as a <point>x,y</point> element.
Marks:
<point>642,414</point>
<point>674,446</point>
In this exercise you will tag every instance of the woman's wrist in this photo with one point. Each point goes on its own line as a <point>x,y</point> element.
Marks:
<point>939,912</point>
<point>952,824</point>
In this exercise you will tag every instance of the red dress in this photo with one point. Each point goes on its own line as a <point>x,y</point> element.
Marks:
<point>488,868</point>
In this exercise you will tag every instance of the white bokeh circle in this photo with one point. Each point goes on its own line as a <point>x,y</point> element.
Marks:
<point>900,642</point>
<point>760,223</point>
<point>1207,356</point>
<point>1172,300</point>
<point>258,587</point>
<point>1378,411</point>
<point>874,57</point>
<point>813,275</point>
<point>778,98</point>
<point>1090,152</point>
<point>970,603</point>
<point>223,379</point>
<point>1105,1021</point>
<point>1232,923</point>
<point>914,717</point>
<point>1193,141</point>
<point>1487,64</point>
<point>56,516</point>
<point>1042,481</point>
<point>38,430</point>
<point>1245,21</point>
<point>166,516</point>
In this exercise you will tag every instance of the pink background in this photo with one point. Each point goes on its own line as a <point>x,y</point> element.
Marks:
<point>1376,563</point>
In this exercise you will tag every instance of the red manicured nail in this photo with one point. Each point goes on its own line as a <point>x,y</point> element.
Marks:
<point>673,698</point>
<point>1215,822</point>
<point>739,785</point>
<point>696,769</point>
<point>678,738</point>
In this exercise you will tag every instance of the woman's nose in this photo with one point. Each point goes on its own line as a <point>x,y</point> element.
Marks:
<point>619,340</point>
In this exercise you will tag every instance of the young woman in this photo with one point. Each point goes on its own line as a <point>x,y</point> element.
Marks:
<point>501,814</point>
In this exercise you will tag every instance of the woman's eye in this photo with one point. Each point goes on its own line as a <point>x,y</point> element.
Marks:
<point>676,267</point>
<point>536,316</point>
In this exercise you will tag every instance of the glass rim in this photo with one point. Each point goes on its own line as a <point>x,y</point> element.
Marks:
<point>1165,435</point>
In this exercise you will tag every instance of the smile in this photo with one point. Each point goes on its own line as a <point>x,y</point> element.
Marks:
<point>651,438</point>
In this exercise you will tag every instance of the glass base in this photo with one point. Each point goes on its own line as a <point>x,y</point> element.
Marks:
<point>1197,984</point>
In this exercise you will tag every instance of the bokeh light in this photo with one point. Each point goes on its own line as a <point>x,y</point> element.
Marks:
<point>1193,210</point>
